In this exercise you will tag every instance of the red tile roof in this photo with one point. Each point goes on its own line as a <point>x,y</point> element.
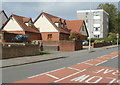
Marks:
<point>74,25</point>
<point>70,26</point>
<point>26,19</point>
<point>54,19</point>
<point>21,21</point>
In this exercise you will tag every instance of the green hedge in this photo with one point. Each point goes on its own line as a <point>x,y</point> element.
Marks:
<point>111,38</point>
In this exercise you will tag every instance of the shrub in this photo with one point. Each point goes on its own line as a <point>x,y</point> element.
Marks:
<point>75,36</point>
<point>112,38</point>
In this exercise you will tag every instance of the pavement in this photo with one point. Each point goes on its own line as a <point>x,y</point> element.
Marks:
<point>89,71</point>
<point>40,58</point>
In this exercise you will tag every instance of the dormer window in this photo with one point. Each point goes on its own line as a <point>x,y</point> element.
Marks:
<point>28,23</point>
<point>57,24</point>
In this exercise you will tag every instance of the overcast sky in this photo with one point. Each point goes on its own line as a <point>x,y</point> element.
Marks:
<point>66,10</point>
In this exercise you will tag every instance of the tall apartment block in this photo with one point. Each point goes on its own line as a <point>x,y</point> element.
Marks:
<point>96,21</point>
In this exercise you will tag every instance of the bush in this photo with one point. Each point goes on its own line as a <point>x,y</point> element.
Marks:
<point>112,38</point>
<point>75,36</point>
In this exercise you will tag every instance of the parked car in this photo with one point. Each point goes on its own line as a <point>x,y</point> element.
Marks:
<point>84,42</point>
<point>20,38</point>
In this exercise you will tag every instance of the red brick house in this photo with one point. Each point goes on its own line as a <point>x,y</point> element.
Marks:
<point>56,28</point>
<point>20,25</point>
<point>56,31</point>
<point>52,27</point>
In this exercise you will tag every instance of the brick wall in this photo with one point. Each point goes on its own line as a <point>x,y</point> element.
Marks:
<point>64,36</point>
<point>84,37</point>
<point>70,45</point>
<point>18,50</point>
<point>102,44</point>
<point>49,42</point>
<point>64,45</point>
<point>78,45</point>
<point>34,36</point>
<point>51,48</point>
<point>55,35</point>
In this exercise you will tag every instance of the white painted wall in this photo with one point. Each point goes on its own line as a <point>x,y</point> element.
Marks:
<point>96,25</point>
<point>12,25</point>
<point>96,17</point>
<point>44,25</point>
<point>96,32</point>
<point>83,32</point>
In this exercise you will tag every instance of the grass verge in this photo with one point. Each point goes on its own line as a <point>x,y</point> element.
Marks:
<point>44,52</point>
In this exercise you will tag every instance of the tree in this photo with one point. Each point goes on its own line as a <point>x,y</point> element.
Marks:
<point>75,36</point>
<point>113,16</point>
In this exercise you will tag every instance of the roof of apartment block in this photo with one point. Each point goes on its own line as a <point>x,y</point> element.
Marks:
<point>93,11</point>
<point>21,21</point>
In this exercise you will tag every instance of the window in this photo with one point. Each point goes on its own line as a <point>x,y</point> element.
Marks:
<point>96,13</point>
<point>57,24</point>
<point>107,20</point>
<point>86,13</point>
<point>29,23</point>
<point>96,28</point>
<point>96,36</point>
<point>83,28</point>
<point>86,21</point>
<point>49,36</point>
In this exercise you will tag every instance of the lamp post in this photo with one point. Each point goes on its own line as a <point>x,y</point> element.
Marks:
<point>89,44</point>
<point>90,27</point>
<point>117,38</point>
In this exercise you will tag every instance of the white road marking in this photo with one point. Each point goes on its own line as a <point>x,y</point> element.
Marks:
<point>69,76</point>
<point>52,76</point>
<point>74,69</point>
<point>89,64</point>
<point>84,61</point>
<point>98,60</point>
<point>105,61</point>
<point>46,72</point>
<point>101,63</point>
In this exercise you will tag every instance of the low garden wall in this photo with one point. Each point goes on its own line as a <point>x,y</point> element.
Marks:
<point>50,48</point>
<point>70,45</point>
<point>63,45</point>
<point>13,50</point>
<point>100,44</point>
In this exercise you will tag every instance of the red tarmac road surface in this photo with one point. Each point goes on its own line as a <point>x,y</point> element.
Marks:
<point>85,72</point>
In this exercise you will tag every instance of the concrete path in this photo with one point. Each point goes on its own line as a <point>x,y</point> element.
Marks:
<point>40,58</point>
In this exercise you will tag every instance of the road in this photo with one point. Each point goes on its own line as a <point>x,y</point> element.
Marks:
<point>17,73</point>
